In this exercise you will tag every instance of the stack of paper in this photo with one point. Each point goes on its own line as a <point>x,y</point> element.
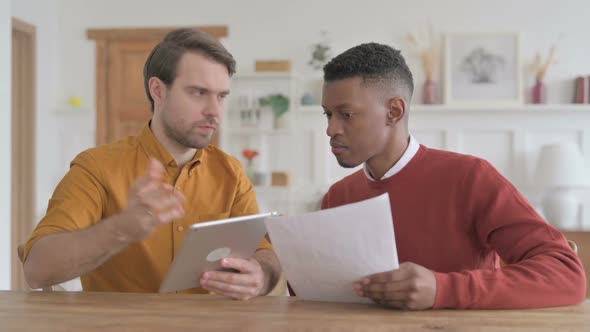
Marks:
<point>323,253</point>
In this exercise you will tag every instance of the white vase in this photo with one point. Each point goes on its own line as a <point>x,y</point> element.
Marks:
<point>281,122</point>
<point>251,172</point>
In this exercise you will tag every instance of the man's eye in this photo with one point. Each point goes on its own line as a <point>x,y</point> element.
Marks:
<point>347,115</point>
<point>328,115</point>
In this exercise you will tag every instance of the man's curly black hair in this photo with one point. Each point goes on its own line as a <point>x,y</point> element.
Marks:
<point>374,63</point>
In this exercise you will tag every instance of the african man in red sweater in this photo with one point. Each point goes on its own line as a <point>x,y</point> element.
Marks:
<point>455,216</point>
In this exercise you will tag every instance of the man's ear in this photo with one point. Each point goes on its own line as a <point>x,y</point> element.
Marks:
<point>396,110</point>
<point>157,90</point>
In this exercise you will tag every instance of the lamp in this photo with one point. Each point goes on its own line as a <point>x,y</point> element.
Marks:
<point>561,170</point>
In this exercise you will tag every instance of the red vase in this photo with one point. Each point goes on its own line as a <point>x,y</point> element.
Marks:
<point>538,93</point>
<point>429,92</point>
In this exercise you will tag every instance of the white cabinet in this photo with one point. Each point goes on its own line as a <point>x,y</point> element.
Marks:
<point>296,145</point>
<point>251,123</point>
<point>510,138</point>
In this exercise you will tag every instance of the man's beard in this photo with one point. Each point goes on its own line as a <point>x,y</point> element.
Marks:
<point>344,164</point>
<point>186,140</point>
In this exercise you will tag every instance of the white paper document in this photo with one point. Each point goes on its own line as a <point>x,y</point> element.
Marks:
<point>323,253</point>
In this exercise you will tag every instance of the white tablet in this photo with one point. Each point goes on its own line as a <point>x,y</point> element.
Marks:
<point>208,242</point>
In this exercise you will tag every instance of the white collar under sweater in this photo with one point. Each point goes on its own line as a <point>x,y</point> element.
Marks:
<point>410,152</point>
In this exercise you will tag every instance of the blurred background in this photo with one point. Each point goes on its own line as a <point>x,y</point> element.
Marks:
<point>504,80</point>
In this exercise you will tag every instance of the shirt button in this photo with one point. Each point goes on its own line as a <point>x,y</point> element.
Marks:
<point>180,228</point>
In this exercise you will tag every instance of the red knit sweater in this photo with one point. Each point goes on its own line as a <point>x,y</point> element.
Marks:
<point>455,214</point>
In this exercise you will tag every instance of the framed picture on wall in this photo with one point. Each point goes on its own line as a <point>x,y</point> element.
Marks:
<point>483,69</point>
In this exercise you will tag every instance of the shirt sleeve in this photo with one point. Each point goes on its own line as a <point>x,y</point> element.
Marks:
<point>77,202</point>
<point>541,271</point>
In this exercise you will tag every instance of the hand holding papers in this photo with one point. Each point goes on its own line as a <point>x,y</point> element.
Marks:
<point>323,253</point>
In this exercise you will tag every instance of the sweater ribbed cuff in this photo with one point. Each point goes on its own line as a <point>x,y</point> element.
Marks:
<point>444,297</point>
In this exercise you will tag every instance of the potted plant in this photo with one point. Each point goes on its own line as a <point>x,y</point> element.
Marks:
<point>279,104</point>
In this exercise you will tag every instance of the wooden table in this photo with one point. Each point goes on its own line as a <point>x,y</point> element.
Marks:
<point>77,311</point>
<point>582,240</point>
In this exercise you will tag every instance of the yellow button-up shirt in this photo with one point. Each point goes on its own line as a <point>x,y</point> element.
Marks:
<point>97,185</point>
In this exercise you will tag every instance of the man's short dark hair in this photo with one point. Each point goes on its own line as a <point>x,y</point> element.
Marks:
<point>163,60</point>
<point>374,63</point>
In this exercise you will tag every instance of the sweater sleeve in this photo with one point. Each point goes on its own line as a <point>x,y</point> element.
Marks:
<point>325,201</point>
<point>541,269</point>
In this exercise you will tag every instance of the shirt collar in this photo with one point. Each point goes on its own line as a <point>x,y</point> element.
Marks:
<point>410,152</point>
<point>154,148</point>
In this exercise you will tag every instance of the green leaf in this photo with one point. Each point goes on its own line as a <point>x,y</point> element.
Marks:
<point>278,103</point>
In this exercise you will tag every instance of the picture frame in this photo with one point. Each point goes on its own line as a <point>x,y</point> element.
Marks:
<point>483,69</point>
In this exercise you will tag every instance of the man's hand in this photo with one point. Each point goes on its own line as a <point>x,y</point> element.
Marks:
<point>250,280</point>
<point>151,203</point>
<point>410,287</point>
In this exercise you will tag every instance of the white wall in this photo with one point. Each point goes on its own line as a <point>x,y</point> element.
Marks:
<point>263,29</point>
<point>286,29</point>
<point>5,141</point>
<point>259,29</point>
<point>44,16</point>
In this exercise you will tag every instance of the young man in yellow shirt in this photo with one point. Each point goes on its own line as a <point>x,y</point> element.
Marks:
<point>119,215</point>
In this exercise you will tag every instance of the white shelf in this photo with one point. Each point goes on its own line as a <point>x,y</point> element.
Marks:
<point>258,131</point>
<point>310,108</point>
<point>272,190</point>
<point>424,109</point>
<point>264,76</point>
<point>513,109</point>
